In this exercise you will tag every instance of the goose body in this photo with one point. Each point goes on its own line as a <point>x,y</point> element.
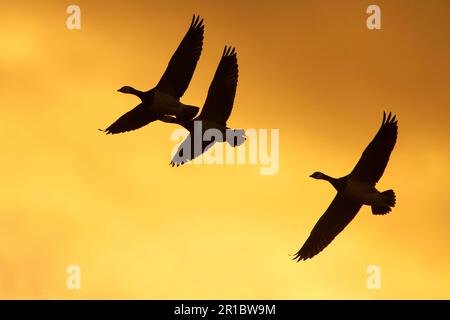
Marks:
<point>165,104</point>
<point>354,191</point>
<point>362,192</point>
<point>164,99</point>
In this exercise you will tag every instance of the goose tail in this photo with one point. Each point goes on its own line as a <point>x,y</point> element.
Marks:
<point>235,138</point>
<point>389,197</point>
<point>389,200</point>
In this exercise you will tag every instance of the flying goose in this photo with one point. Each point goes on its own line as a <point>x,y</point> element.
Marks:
<point>164,98</point>
<point>215,112</point>
<point>354,191</point>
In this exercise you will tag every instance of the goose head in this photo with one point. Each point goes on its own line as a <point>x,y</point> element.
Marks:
<point>338,184</point>
<point>127,89</point>
<point>319,175</point>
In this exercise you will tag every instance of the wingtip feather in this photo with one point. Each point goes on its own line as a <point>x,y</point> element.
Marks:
<point>196,22</point>
<point>229,51</point>
<point>389,118</point>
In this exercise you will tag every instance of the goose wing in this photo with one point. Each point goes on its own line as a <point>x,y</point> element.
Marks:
<point>338,215</point>
<point>375,157</point>
<point>132,120</point>
<point>221,93</point>
<point>178,74</point>
<point>187,151</point>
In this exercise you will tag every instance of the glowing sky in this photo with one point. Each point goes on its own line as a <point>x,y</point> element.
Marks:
<point>141,229</point>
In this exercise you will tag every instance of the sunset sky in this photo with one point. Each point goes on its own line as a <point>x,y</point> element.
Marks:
<point>140,229</point>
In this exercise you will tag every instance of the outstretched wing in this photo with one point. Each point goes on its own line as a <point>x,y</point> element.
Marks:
<point>221,93</point>
<point>374,159</point>
<point>178,74</point>
<point>338,215</point>
<point>132,120</point>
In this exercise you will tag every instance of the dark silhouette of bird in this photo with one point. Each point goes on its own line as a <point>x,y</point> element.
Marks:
<point>354,191</point>
<point>214,115</point>
<point>164,99</point>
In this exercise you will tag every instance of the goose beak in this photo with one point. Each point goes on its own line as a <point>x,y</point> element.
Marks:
<point>311,176</point>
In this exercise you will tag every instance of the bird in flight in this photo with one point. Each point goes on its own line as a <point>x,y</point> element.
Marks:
<point>164,99</point>
<point>214,115</point>
<point>354,191</point>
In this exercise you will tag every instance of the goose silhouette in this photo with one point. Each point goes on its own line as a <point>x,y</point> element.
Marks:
<point>164,99</point>
<point>214,115</point>
<point>354,191</point>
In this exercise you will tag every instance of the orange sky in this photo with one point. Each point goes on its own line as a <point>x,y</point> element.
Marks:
<point>141,229</point>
